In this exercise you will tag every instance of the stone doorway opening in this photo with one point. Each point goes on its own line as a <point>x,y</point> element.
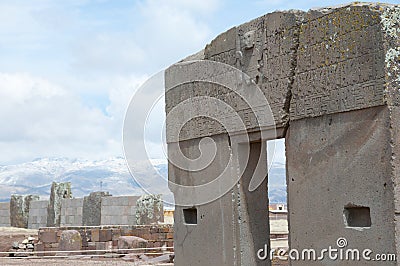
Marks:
<point>277,195</point>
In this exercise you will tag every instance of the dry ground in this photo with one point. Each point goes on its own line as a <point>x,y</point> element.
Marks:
<point>72,261</point>
<point>8,235</point>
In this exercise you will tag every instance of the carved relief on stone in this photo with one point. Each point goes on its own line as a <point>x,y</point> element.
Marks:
<point>249,39</point>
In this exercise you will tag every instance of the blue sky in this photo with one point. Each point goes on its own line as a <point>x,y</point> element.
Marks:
<point>69,68</point>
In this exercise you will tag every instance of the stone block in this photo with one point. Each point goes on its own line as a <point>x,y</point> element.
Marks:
<point>127,210</point>
<point>95,234</point>
<point>116,233</point>
<point>42,220</point>
<point>101,247</point>
<point>105,235</point>
<point>48,236</point>
<point>131,242</point>
<point>39,247</point>
<point>85,237</point>
<point>131,220</point>
<point>91,214</point>
<point>19,210</point>
<point>124,220</point>
<point>70,240</point>
<point>5,206</point>
<point>359,183</point>
<point>91,248</point>
<point>59,191</point>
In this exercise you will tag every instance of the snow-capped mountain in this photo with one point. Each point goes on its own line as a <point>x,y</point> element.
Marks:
<point>85,176</point>
<point>110,175</point>
<point>277,183</point>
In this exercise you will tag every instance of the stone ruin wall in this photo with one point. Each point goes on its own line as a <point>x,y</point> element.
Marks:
<point>100,209</point>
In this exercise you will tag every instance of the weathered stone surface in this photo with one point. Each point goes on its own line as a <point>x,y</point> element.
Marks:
<point>5,214</point>
<point>19,210</point>
<point>101,246</point>
<point>58,192</point>
<point>71,212</point>
<point>225,236</point>
<point>48,236</point>
<point>269,70</point>
<point>95,234</point>
<point>131,242</point>
<point>91,215</point>
<point>105,235</point>
<point>37,214</point>
<point>149,209</point>
<point>119,210</point>
<point>340,62</point>
<point>144,260</point>
<point>70,240</point>
<point>395,165</point>
<point>334,161</point>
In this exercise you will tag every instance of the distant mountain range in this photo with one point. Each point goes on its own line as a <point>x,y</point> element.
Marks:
<point>110,175</point>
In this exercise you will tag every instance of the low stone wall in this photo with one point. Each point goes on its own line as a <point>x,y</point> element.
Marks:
<point>37,214</point>
<point>119,210</point>
<point>106,237</point>
<point>71,212</point>
<point>5,214</point>
<point>99,208</point>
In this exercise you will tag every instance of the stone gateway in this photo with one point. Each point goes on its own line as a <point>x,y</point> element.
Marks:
<point>330,78</point>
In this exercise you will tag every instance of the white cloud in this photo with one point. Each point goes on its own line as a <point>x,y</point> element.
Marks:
<point>153,35</point>
<point>41,119</point>
<point>23,87</point>
<point>173,28</point>
<point>108,53</point>
<point>204,7</point>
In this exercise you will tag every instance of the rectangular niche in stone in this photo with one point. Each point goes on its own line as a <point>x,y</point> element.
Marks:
<point>356,216</point>
<point>190,216</point>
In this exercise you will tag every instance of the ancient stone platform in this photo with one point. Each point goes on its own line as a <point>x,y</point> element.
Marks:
<point>102,239</point>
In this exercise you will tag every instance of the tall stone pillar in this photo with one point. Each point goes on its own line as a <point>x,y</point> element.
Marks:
<point>343,138</point>
<point>58,192</point>
<point>19,210</point>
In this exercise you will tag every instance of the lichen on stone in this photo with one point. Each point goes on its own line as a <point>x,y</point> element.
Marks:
<point>390,20</point>
<point>392,57</point>
<point>147,206</point>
